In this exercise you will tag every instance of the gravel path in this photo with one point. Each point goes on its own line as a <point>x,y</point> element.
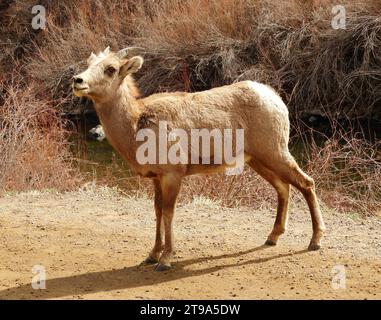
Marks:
<point>91,242</point>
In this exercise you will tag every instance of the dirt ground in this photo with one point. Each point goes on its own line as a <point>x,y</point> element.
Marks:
<point>92,241</point>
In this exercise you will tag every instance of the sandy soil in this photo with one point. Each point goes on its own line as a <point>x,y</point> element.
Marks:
<point>92,241</point>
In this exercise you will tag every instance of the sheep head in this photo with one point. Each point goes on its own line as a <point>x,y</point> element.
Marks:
<point>105,74</point>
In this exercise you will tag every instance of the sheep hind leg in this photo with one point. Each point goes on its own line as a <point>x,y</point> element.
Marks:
<point>291,172</point>
<point>283,190</point>
<point>306,186</point>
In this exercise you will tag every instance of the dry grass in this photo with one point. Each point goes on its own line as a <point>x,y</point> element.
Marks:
<point>34,152</point>
<point>198,44</point>
<point>345,165</point>
<point>194,45</point>
<point>247,189</point>
<point>347,171</point>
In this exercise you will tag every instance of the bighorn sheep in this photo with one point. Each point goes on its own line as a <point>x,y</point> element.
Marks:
<point>248,105</point>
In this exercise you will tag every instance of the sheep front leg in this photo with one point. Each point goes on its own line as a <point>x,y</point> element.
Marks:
<point>170,186</point>
<point>154,255</point>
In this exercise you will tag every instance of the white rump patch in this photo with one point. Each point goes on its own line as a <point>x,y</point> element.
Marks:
<point>268,94</point>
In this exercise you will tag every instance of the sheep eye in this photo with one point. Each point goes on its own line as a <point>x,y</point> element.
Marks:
<point>110,71</point>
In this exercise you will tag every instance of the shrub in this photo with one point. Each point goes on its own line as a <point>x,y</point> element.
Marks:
<point>34,152</point>
<point>194,45</point>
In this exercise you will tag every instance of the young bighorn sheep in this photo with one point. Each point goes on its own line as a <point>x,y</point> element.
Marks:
<point>247,105</point>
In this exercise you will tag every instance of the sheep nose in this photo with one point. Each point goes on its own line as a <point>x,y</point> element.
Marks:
<point>78,80</point>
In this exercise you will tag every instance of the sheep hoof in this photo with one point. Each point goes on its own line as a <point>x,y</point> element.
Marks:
<point>149,260</point>
<point>313,246</point>
<point>270,242</point>
<point>162,267</point>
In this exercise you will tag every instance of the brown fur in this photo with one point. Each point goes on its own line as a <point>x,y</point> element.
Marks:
<point>246,105</point>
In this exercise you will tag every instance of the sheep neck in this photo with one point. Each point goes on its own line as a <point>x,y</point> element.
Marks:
<point>118,117</point>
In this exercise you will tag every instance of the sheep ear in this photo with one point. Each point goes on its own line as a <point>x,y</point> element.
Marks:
<point>91,58</point>
<point>107,50</point>
<point>131,66</point>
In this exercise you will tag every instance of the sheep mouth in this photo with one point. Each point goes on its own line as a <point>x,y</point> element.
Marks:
<point>80,90</point>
